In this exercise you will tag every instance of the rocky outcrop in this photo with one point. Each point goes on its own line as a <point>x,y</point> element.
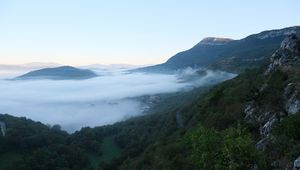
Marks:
<point>266,129</point>
<point>292,98</point>
<point>214,41</point>
<point>179,120</point>
<point>287,60</point>
<point>277,33</point>
<point>265,119</point>
<point>3,128</point>
<point>262,144</point>
<point>287,57</point>
<point>297,164</point>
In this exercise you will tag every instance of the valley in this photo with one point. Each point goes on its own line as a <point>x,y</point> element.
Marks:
<point>196,114</point>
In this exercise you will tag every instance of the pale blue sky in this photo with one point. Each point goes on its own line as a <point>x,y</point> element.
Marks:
<point>79,32</point>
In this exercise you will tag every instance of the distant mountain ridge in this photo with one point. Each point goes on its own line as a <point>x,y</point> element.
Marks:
<point>277,32</point>
<point>59,73</point>
<point>227,54</point>
<point>28,66</point>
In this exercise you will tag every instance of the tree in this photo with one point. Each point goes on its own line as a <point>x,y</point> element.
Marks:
<point>228,149</point>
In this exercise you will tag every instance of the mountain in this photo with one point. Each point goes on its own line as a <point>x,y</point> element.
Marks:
<point>227,54</point>
<point>59,73</point>
<point>249,122</point>
<point>8,71</point>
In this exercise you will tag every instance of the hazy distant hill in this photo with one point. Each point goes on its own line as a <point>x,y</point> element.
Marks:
<point>28,66</point>
<point>60,73</point>
<point>226,54</point>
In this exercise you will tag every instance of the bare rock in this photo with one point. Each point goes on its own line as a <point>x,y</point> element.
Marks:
<point>291,95</point>
<point>287,56</point>
<point>262,144</point>
<point>297,164</point>
<point>266,129</point>
<point>3,128</point>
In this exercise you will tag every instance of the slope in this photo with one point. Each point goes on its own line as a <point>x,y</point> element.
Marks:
<point>229,55</point>
<point>249,122</point>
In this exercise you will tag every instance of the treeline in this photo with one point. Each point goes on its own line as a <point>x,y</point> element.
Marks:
<point>33,145</point>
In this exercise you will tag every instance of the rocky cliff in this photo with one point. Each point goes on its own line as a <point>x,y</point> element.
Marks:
<point>265,113</point>
<point>3,128</point>
<point>287,57</point>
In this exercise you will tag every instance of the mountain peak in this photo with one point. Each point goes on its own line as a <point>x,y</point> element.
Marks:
<point>214,41</point>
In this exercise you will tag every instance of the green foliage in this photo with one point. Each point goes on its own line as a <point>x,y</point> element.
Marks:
<point>24,134</point>
<point>87,139</point>
<point>223,105</point>
<point>30,145</point>
<point>56,157</point>
<point>272,95</point>
<point>228,149</point>
<point>294,152</point>
<point>286,138</point>
<point>206,147</point>
<point>289,127</point>
<point>109,149</point>
<point>9,159</point>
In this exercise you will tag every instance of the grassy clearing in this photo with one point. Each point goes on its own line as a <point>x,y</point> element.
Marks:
<point>109,150</point>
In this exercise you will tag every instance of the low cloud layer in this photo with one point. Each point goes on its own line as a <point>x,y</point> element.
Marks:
<point>93,102</point>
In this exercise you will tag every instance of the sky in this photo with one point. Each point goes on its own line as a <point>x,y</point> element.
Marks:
<point>83,32</point>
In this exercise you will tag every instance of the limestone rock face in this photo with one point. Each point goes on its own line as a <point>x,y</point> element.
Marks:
<point>262,144</point>
<point>266,129</point>
<point>214,41</point>
<point>276,33</point>
<point>265,119</point>
<point>287,56</point>
<point>265,116</point>
<point>297,164</point>
<point>291,43</point>
<point>292,98</point>
<point>3,128</point>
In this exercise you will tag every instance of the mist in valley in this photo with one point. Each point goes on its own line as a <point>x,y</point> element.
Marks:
<point>109,98</point>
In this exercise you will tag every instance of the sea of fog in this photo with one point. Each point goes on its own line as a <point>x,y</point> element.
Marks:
<point>103,100</point>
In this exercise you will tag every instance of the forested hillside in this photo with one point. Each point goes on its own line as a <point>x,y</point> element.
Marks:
<point>249,122</point>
